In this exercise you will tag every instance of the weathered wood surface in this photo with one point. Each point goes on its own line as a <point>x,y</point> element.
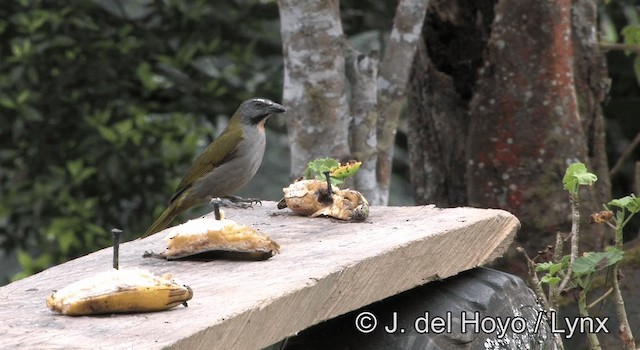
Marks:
<point>325,268</point>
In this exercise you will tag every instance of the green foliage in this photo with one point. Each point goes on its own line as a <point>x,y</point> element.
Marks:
<point>30,264</point>
<point>592,262</point>
<point>338,172</point>
<point>104,103</point>
<point>552,268</point>
<point>631,35</point>
<point>576,175</point>
<point>572,275</point>
<point>631,203</point>
<point>316,168</point>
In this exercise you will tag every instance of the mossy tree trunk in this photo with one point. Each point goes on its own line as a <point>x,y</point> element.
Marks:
<point>505,94</point>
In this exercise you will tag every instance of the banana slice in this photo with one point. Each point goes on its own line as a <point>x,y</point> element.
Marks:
<point>119,291</point>
<point>311,198</point>
<point>207,239</point>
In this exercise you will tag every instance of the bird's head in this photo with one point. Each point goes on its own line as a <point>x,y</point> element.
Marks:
<point>256,110</point>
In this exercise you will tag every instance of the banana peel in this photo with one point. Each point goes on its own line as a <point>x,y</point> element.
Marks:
<point>119,291</point>
<point>311,198</point>
<point>207,239</point>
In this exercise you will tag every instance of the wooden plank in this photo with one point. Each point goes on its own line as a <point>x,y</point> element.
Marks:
<point>326,268</point>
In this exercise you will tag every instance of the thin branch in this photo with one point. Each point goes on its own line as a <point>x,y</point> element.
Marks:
<point>619,47</point>
<point>594,343</point>
<point>534,281</point>
<point>624,330</point>
<point>627,152</point>
<point>601,298</point>
<point>575,236</point>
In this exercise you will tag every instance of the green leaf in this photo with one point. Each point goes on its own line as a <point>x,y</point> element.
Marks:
<point>551,267</point>
<point>319,166</point>
<point>31,264</point>
<point>577,175</point>
<point>631,203</point>
<point>74,167</point>
<point>23,96</point>
<point>7,102</point>
<point>555,268</point>
<point>29,113</point>
<point>108,133</point>
<point>338,172</point>
<point>146,76</point>
<point>24,259</point>
<point>595,261</point>
<point>123,127</point>
<point>550,280</point>
<point>631,34</point>
<point>78,171</point>
<point>544,266</point>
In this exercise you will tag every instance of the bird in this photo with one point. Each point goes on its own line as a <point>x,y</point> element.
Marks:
<point>226,165</point>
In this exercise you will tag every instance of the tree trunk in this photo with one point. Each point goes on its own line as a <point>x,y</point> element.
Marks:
<point>314,90</point>
<point>392,83</point>
<point>592,85</point>
<point>531,94</point>
<point>314,81</point>
<point>362,72</point>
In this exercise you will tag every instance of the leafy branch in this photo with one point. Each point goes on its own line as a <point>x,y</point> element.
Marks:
<point>572,275</point>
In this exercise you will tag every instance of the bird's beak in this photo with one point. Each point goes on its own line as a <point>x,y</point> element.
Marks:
<point>277,108</point>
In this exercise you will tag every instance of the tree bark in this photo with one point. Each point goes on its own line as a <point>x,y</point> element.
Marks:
<point>525,125</point>
<point>314,81</point>
<point>592,85</point>
<point>443,81</point>
<point>532,97</point>
<point>392,84</point>
<point>438,119</point>
<point>315,90</point>
<point>362,72</point>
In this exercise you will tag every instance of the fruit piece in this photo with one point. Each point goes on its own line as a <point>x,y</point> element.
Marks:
<point>311,198</point>
<point>119,291</point>
<point>207,238</point>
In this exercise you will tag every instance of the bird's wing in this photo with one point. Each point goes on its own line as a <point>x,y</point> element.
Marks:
<point>221,150</point>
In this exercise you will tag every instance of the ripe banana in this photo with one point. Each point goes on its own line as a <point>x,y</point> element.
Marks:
<point>207,238</point>
<point>119,291</point>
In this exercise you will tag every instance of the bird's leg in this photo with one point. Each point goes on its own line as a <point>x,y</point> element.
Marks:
<point>239,202</point>
<point>231,202</point>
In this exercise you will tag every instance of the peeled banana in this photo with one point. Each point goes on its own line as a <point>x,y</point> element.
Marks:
<point>119,291</point>
<point>207,238</point>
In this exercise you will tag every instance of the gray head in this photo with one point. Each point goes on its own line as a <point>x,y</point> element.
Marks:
<point>256,110</point>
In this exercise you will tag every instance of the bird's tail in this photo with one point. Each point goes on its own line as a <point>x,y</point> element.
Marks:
<point>163,221</point>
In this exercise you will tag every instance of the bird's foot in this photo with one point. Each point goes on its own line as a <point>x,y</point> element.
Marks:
<point>240,202</point>
<point>235,202</point>
<point>231,202</point>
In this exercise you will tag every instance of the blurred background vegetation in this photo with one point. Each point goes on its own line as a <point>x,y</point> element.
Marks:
<point>104,103</point>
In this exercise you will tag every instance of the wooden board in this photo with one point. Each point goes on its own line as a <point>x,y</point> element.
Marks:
<point>326,268</point>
